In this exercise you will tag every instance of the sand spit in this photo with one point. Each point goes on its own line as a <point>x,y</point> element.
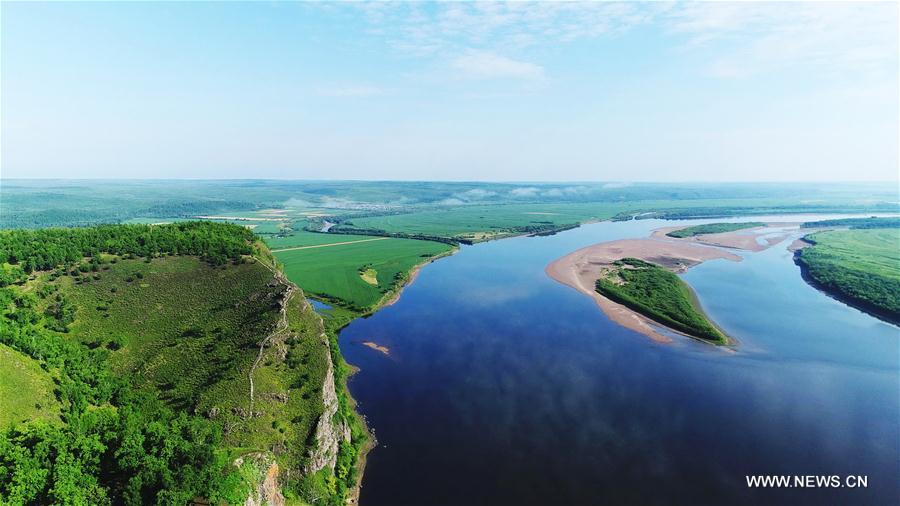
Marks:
<point>745,239</point>
<point>580,269</point>
<point>377,347</point>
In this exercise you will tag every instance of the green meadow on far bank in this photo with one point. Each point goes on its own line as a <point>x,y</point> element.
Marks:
<point>858,266</point>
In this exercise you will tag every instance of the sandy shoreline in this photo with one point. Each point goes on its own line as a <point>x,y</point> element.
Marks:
<point>580,269</point>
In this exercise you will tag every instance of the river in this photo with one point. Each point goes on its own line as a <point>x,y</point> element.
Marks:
<point>505,387</point>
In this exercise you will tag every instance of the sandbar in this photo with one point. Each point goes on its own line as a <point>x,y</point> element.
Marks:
<point>377,347</point>
<point>580,270</point>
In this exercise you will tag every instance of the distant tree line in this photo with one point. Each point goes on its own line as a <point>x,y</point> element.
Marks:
<point>47,248</point>
<point>696,213</point>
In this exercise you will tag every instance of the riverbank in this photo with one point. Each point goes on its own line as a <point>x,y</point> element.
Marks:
<point>343,317</point>
<point>581,269</point>
<point>858,267</point>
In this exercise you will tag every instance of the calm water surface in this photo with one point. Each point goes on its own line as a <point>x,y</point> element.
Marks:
<point>505,387</point>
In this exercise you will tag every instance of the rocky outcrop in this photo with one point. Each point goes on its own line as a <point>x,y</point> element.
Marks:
<point>328,432</point>
<point>267,492</point>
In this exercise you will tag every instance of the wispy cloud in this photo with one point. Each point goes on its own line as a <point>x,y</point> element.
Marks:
<point>753,38</point>
<point>489,39</point>
<point>487,65</point>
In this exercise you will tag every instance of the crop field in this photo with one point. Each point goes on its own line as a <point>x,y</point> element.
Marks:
<point>191,332</point>
<point>335,272</point>
<point>300,238</point>
<point>26,390</point>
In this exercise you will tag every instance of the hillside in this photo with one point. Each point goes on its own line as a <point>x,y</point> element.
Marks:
<point>195,370</point>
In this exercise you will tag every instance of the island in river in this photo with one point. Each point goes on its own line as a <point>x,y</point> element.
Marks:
<point>582,269</point>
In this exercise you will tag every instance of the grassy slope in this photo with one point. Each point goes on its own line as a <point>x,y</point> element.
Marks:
<point>861,267</point>
<point>334,272</point>
<point>658,294</point>
<point>713,228</point>
<point>191,332</point>
<point>26,390</point>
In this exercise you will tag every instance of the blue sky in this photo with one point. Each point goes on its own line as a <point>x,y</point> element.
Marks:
<point>455,91</point>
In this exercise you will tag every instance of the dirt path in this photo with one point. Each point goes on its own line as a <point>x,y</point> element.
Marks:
<point>329,244</point>
<point>280,327</point>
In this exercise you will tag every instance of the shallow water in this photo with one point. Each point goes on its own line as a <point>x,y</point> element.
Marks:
<point>318,306</point>
<point>505,387</point>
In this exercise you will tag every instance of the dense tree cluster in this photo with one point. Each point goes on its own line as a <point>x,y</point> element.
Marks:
<point>47,248</point>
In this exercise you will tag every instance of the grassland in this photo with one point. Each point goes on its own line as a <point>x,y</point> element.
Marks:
<point>26,390</point>
<point>659,295</point>
<point>713,228</point>
<point>871,222</point>
<point>334,273</point>
<point>859,267</point>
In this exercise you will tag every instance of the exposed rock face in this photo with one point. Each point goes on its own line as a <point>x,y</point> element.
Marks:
<point>328,434</point>
<point>267,492</point>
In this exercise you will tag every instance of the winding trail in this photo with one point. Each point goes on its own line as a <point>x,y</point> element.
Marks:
<point>280,327</point>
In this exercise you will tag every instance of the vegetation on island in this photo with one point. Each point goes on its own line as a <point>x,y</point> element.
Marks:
<point>859,267</point>
<point>659,295</point>
<point>713,228</point>
<point>136,370</point>
<point>856,223</point>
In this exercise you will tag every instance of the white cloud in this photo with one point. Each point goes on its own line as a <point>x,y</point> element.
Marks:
<point>528,191</point>
<point>475,194</point>
<point>494,39</point>
<point>487,65</point>
<point>753,38</point>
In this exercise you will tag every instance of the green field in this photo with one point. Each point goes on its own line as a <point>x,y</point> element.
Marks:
<point>860,267</point>
<point>299,238</point>
<point>658,294</point>
<point>713,228</point>
<point>334,272</point>
<point>26,391</point>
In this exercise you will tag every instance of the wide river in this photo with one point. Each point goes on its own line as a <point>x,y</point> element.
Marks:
<point>505,387</point>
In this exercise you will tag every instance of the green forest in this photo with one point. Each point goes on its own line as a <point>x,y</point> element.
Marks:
<point>659,295</point>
